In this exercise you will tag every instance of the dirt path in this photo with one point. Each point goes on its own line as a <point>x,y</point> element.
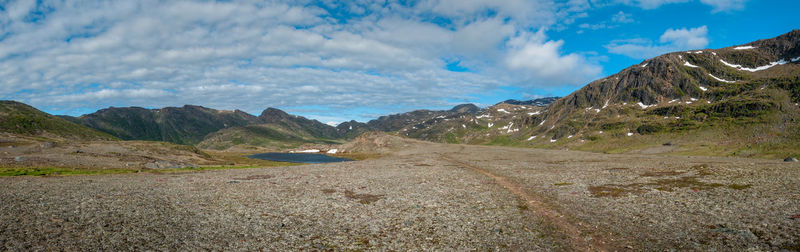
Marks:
<point>577,240</point>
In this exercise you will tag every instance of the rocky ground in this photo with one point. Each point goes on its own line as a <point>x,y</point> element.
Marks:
<point>423,196</point>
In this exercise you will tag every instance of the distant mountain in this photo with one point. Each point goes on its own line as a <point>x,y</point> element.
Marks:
<point>275,128</point>
<point>540,102</point>
<point>298,123</point>
<point>22,119</point>
<point>184,125</point>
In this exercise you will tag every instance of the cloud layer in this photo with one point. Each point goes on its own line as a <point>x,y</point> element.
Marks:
<point>77,56</point>
<point>672,40</point>
<point>72,55</point>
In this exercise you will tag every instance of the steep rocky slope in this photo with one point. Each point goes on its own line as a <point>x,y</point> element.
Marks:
<point>739,100</point>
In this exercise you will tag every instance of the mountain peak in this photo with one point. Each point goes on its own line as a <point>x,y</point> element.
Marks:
<point>466,108</point>
<point>272,115</point>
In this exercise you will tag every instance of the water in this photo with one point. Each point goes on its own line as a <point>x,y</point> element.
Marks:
<point>307,158</point>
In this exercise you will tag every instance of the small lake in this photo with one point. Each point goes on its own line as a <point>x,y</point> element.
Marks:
<point>307,158</point>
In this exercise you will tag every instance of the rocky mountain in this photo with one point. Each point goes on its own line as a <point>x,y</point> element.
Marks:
<point>21,119</point>
<point>739,100</point>
<point>182,125</point>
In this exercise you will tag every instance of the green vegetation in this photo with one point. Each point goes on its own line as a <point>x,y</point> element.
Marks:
<point>22,119</point>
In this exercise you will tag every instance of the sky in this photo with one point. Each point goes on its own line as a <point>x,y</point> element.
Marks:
<point>335,61</point>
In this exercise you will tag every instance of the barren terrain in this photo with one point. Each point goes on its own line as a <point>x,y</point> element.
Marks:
<point>422,196</point>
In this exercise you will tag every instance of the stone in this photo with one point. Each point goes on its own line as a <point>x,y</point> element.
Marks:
<point>19,159</point>
<point>162,164</point>
<point>47,145</point>
<point>790,159</point>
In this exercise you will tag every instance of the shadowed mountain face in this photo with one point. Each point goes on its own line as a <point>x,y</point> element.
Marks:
<point>194,124</point>
<point>19,118</point>
<point>185,125</point>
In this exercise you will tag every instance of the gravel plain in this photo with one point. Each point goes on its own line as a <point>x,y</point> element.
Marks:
<point>424,197</point>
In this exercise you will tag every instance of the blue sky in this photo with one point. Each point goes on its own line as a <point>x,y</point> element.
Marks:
<point>341,60</point>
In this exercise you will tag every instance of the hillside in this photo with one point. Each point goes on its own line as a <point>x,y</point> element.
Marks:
<point>184,125</point>
<point>740,100</point>
<point>275,129</point>
<point>21,119</point>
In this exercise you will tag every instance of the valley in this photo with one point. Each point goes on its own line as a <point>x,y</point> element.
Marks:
<point>424,196</point>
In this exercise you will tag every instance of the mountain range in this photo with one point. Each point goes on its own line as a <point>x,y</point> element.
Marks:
<point>738,100</point>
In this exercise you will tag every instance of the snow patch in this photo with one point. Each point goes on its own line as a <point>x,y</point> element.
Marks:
<point>743,47</point>
<point>553,140</point>
<point>645,106</point>
<point>715,54</point>
<point>490,125</point>
<point>484,116</point>
<point>463,126</point>
<point>703,88</point>
<point>630,133</point>
<point>795,59</point>
<point>686,63</point>
<point>674,100</point>
<point>740,67</point>
<point>309,151</point>
<point>531,138</point>
<point>570,136</point>
<point>605,105</point>
<point>718,79</point>
<point>698,52</point>
<point>504,111</point>
<point>535,113</point>
<point>540,124</point>
<point>332,151</point>
<point>644,65</point>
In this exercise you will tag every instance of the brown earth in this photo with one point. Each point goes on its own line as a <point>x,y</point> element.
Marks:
<point>423,196</point>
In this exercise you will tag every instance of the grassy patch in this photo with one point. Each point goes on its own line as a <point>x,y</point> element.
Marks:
<point>562,184</point>
<point>738,186</point>
<point>357,156</point>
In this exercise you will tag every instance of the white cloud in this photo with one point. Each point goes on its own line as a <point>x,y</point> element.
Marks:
<point>717,5</point>
<point>541,61</point>
<point>652,4</point>
<point>725,5</point>
<point>672,40</point>
<point>692,38</point>
<point>85,55</point>
<point>622,17</point>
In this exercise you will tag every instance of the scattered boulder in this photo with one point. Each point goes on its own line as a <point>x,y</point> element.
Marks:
<point>47,145</point>
<point>79,151</point>
<point>163,164</point>
<point>790,159</point>
<point>667,144</point>
<point>19,159</point>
